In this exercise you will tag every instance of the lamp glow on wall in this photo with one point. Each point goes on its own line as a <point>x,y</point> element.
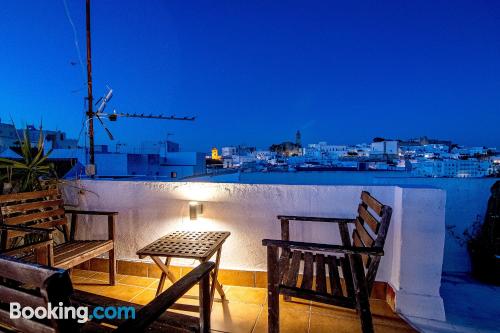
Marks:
<point>195,209</point>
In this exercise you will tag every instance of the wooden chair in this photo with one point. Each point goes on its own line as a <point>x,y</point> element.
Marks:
<point>36,285</point>
<point>45,210</point>
<point>358,263</point>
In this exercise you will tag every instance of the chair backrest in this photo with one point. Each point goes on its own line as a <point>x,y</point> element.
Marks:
<point>371,226</point>
<point>41,209</point>
<point>34,286</point>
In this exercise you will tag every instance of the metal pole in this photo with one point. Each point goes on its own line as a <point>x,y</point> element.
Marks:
<point>90,112</point>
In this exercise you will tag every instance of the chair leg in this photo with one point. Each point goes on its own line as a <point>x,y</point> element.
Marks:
<point>112,267</point>
<point>205,304</point>
<point>273,305</point>
<point>365,315</point>
<point>361,293</point>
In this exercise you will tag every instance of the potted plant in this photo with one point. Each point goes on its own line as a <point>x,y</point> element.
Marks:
<point>26,174</point>
<point>483,241</point>
<point>30,173</point>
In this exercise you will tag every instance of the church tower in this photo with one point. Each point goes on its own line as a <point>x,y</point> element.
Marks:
<point>298,139</point>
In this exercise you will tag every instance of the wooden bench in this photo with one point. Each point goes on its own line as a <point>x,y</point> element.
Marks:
<point>357,263</point>
<point>45,210</point>
<point>36,285</point>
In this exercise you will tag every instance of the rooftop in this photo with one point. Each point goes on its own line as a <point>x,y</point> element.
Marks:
<point>416,287</point>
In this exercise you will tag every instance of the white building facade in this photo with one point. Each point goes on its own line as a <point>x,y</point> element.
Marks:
<point>453,168</point>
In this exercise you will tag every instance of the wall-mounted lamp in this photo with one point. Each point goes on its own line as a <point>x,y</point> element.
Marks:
<point>195,209</point>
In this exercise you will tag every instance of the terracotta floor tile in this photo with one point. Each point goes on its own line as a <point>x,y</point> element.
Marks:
<point>195,291</point>
<point>236,278</point>
<point>296,304</point>
<point>246,308</point>
<point>82,273</point>
<point>246,295</point>
<point>154,285</point>
<point>343,323</point>
<point>121,292</point>
<point>235,317</point>
<point>132,268</point>
<point>147,295</point>
<point>261,279</point>
<point>187,301</point>
<point>75,279</point>
<point>101,276</point>
<point>138,281</point>
<point>290,321</point>
<point>378,308</point>
<point>393,327</point>
<point>381,308</point>
<point>320,323</point>
<point>326,309</point>
<point>89,285</point>
<point>144,297</point>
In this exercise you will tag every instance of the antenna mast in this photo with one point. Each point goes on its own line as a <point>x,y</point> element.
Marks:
<point>90,112</point>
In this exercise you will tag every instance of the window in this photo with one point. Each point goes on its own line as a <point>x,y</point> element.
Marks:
<point>173,174</point>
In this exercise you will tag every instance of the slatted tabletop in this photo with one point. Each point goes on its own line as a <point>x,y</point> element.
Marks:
<point>199,245</point>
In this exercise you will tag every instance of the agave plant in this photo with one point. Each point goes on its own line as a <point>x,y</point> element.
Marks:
<point>26,174</point>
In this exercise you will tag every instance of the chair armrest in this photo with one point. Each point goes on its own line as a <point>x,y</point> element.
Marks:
<point>316,219</point>
<point>151,311</point>
<point>90,212</point>
<point>374,251</point>
<point>27,249</point>
<point>43,249</point>
<point>74,220</point>
<point>46,231</point>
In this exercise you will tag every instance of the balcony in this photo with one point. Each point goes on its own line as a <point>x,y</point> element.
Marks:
<point>407,283</point>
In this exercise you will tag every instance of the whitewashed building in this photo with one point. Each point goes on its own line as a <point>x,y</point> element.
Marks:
<point>322,150</point>
<point>8,136</point>
<point>384,149</point>
<point>453,168</point>
<point>228,151</point>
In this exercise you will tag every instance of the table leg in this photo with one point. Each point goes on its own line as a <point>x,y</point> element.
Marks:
<point>165,272</point>
<point>160,285</point>
<point>215,282</point>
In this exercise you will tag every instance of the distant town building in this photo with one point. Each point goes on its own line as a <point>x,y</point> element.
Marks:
<point>228,151</point>
<point>10,154</point>
<point>183,164</point>
<point>384,150</point>
<point>474,151</point>
<point>322,150</point>
<point>8,136</point>
<point>298,139</point>
<point>452,168</point>
<point>286,149</point>
<point>215,154</point>
<point>53,139</point>
<point>423,140</point>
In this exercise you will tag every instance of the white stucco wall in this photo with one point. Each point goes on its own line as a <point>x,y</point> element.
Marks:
<point>414,247</point>
<point>466,198</point>
<point>466,201</point>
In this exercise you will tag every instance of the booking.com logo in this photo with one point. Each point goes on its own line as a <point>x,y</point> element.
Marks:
<point>80,313</point>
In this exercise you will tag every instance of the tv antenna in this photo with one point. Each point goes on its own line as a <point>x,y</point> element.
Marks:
<point>103,102</point>
<point>99,114</point>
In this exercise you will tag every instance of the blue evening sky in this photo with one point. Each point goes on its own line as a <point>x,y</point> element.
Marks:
<point>254,72</point>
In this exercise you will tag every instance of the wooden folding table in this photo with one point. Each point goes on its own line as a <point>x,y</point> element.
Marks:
<point>199,245</point>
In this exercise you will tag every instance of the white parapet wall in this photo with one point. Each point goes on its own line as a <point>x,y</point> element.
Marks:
<point>414,248</point>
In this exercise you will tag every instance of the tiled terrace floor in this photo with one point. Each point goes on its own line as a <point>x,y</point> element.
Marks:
<point>246,310</point>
